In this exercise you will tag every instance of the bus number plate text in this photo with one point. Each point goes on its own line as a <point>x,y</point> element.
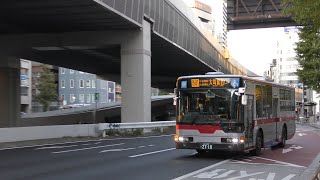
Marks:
<point>206,146</point>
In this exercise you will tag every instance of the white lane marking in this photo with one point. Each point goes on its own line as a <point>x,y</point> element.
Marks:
<point>195,153</point>
<point>209,175</point>
<point>97,143</point>
<point>116,150</point>
<point>95,147</point>
<point>142,146</point>
<point>250,163</point>
<point>281,162</point>
<point>37,145</point>
<point>154,152</point>
<point>151,145</point>
<point>289,177</point>
<point>55,147</point>
<point>244,174</point>
<point>226,174</point>
<point>271,176</point>
<point>201,170</point>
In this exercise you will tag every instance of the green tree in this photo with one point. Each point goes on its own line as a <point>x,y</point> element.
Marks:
<point>47,88</point>
<point>306,13</point>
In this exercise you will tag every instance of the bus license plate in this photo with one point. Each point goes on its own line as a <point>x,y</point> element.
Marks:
<point>206,146</point>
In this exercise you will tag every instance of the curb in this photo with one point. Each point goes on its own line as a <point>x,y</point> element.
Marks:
<point>313,170</point>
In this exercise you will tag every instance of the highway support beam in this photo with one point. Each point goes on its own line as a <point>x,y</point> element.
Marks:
<point>136,76</point>
<point>9,92</point>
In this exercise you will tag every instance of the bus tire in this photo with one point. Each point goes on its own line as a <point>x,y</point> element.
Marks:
<point>257,150</point>
<point>283,137</point>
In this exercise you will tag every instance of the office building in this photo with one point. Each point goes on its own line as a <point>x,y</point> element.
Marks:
<point>76,87</point>
<point>25,79</point>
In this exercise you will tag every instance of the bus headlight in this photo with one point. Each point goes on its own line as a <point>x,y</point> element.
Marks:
<point>235,140</point>
<point>182,139</point>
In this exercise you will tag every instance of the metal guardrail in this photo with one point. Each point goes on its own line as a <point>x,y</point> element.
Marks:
<point>92,107</point>
<point>118,126</point>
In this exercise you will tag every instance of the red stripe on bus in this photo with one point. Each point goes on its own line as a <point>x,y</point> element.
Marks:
<point>203,129</point>
<point>273,120</point>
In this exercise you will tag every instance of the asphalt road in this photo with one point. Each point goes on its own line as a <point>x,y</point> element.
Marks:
<point>155,158</point>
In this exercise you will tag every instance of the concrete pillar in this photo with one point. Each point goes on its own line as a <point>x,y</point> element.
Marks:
<point>136,76</point>
<point>9,92</point>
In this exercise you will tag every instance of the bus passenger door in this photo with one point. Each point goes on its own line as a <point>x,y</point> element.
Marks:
<point>248,121</point>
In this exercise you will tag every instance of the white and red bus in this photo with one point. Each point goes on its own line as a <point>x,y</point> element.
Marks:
<point>232,113</point>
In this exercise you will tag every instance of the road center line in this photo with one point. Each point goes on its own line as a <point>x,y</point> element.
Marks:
<point>154,152</point>
<point>201,170</point>
<point>73,150</point>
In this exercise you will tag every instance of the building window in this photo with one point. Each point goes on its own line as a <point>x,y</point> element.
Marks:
<point>24,91</point>
<point>71,71</point>
<point>88,84</point>
<point>63,70</point>
<point>81,98</point>
<point>81,83</point>
<point>89,98</point>
<point>71,83</point>
<point>93,84</point>
<point>63,84</point>
<point>72,98</point>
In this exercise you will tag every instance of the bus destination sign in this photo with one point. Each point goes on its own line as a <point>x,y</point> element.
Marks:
<point>210,82</point>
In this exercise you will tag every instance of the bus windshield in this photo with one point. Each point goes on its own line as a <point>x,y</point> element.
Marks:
<point>208,106</point>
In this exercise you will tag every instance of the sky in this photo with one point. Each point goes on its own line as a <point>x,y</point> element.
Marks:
<point>254,48</point>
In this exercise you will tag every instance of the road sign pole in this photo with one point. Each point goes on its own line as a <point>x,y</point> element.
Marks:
<point>96,99</point>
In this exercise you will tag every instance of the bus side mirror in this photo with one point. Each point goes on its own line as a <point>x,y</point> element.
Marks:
<point>175,97</point>
<point>244,99</point>
<point>175,101</point>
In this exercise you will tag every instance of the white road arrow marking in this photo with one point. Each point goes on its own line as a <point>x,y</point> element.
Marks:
<point>301,134</point>
<point>286,150</point>
<point>293,147</point>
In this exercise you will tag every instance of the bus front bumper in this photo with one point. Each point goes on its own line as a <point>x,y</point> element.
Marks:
<point>211,146</point>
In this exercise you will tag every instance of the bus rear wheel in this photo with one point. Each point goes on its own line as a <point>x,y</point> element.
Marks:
<point>257,150</point>
<point>283,137</point>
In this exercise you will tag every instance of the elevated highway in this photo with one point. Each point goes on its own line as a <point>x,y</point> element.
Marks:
<point>138,43</point>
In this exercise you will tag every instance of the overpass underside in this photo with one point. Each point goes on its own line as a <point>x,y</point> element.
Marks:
<point>248,14</point>
<point>128,41</point>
